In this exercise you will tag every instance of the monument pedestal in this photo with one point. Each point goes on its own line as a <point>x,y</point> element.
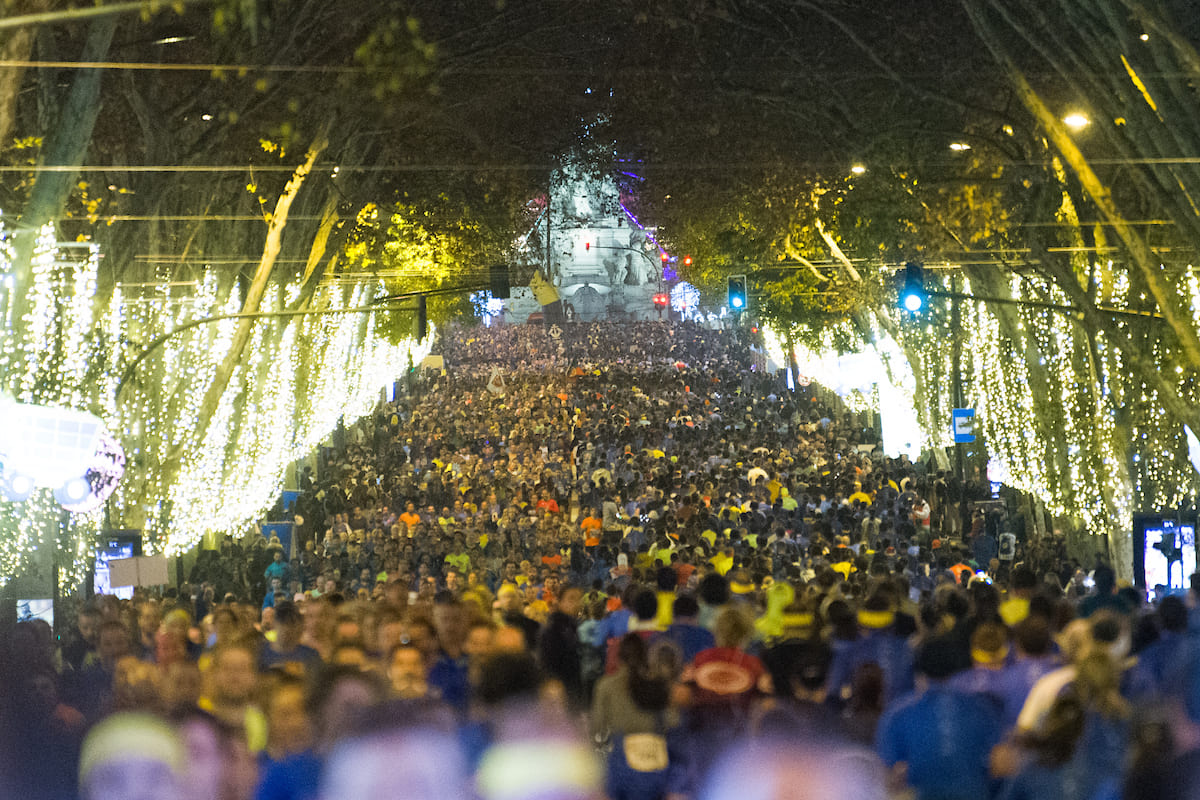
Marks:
<point>588,302</point>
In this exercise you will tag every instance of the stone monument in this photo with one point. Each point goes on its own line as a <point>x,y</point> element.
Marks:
<point>604,264</point>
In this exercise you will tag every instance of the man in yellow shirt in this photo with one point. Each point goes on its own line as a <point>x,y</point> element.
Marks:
<point>722,562</point>
<point>860,496</point>
<point>775,487</point>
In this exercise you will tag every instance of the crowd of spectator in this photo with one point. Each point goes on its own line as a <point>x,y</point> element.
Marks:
<point>613,561</point>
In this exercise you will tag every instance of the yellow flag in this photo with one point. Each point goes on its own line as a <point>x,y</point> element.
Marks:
<point>543,291</point>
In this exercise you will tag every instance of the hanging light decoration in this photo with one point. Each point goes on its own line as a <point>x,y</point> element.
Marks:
<point>297,378</point>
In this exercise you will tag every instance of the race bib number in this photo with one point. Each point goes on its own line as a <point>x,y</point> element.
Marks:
<point>645,752</point>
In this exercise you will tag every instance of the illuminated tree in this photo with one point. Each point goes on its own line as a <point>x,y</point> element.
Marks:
<point>1085,404</point>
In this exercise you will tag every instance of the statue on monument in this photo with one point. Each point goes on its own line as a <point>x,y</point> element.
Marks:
<point>612,265</point>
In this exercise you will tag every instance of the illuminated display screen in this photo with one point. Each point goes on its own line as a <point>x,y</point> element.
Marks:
<point>1169,555</point>
<point>111,550</point>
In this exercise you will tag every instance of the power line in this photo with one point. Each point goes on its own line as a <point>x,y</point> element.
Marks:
<point>170,259</point>
<point>76,14</point>
<point>150,66</point>
<point>688,166</point>
<point>514,71</point>
<point>1091,223</point>
<point>196,217</point>
<point>211,168</point>
<point>387,303</point>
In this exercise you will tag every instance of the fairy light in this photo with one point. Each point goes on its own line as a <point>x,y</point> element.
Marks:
<point>345,365</point>
<point>297,378</point>
<point>46,361</point>
<point>1063,447</point>
<point>1193,290</point>
<point>38,322</point>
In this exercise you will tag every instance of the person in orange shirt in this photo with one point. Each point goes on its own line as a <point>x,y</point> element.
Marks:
<point>591,526</point>
<point>962,571</point>
<point>410,517</point>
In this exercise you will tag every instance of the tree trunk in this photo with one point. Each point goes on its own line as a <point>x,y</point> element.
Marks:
<point>66,147</point>
<point>17,46</point>
<point>1177,318</point>
<point>258,285</point>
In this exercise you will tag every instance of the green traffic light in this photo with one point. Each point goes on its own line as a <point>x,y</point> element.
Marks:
<point>913,296</point>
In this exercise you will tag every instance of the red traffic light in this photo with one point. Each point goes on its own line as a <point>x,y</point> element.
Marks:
<point>687,261</point>
<point>665,258</point>
<point>661,299</point>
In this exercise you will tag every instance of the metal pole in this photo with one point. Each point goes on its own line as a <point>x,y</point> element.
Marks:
<point>376,305</point>
<point>956,355</point>
<point>61,521</point>
<point>1008,301</point>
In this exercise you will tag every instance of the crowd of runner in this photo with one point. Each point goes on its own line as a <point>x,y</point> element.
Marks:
<point>614,560</point>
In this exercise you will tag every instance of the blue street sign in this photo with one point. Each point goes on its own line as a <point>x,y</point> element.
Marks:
<point>962,422</point>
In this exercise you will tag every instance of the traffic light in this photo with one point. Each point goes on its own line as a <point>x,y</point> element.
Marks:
<point>687,261</point>
<point>498,277</point>
<point>661,301</point>
<point>737,297</point>
<point>913,296</point>
<point>422,321</point>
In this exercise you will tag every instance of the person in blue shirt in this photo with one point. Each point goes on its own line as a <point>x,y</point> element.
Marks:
<point>616,624</point>
<point>1079,750</point>
<point>984,548</point>
<point>337,696</point>
<point>1148,677</point>
<point>278,568</point>
<point>449,672</point>
<point>287,649</point>
<point>1035,657</point>
<point>880,643</point>
<point>685,631</point>
<point>938,740</point>
<point>275,594</point>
